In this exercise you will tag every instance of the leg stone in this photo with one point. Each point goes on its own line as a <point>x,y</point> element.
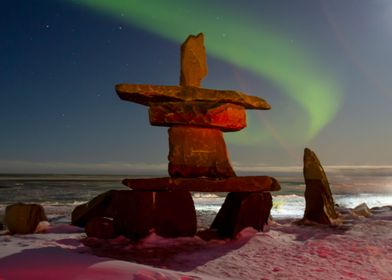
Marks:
<point>171,214</point>
<point>241,210</point>
<point>175,214</point>
<point>133,214</point>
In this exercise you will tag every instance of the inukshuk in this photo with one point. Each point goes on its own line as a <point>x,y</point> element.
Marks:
<point>198,158</point>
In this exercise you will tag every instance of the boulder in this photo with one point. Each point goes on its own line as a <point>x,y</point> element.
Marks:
<point>241,210</point>
<point>99,206</point>
<point>320,206</point>
<point>23,218</point>
<point>100,227</point>
<point>198,152</point>
<point>193,61</point>
<point>362,210</point>
<point>169,214</point>
<point>226,117</point>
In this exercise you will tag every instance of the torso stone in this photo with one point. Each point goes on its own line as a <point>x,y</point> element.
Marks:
<point>198,152</point>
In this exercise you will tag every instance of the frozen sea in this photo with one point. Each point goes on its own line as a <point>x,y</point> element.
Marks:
<point>59,194</point>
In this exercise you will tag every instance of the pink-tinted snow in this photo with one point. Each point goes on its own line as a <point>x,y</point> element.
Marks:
<point>359,249</point>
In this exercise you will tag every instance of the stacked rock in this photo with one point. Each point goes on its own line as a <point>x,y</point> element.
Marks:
<point>198,157</point>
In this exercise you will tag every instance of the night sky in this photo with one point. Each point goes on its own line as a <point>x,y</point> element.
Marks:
<point>324,66</point>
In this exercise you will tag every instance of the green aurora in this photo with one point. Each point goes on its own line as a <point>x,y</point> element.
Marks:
<point>243,42</point>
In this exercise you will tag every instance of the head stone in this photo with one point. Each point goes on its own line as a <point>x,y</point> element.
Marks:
<point>193,61</point>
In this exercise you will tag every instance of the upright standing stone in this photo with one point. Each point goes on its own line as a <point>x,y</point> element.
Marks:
<point>320,206</point>
<point>133,214</point>
<point>175,214</point>
<point>193,61</point>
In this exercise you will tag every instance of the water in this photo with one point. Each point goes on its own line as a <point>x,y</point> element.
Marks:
<point>59,194</point>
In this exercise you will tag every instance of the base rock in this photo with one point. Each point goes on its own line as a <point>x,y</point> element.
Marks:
<point>362,210</point>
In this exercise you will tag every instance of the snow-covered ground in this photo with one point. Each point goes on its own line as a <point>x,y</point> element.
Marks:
<point>360,249</point>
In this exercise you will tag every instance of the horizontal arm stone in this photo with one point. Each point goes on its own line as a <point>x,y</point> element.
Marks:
<point>231,184</point>
<point>148,94</point>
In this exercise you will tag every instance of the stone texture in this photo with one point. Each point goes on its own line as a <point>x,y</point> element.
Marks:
<point>320,206</point>
<point>193,61</point>
<point>149,94</point>
<point>231,184</point>
<point>23,218</point>
<point>170,214</point>
<point>241,210</point>
<point>226,117</point>
<point>198,152</point>
<point>100,227</point>
<point>99,206</point>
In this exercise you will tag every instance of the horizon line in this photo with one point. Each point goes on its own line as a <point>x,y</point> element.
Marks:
<point>114,168</point>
